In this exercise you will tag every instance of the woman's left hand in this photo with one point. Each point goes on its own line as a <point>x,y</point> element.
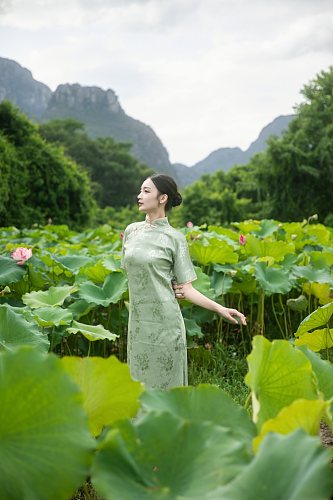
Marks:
<point>233,315</point>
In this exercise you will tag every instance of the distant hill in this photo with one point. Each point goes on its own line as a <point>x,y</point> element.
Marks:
<point>98,109</point>
<point>225,158</point>
<point>103,116</point>
<point>18,86</point>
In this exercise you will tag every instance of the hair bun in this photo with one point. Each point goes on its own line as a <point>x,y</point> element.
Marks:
<point>177,200</point>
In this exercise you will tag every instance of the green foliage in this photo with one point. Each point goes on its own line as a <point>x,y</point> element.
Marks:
<point>298,176</point>
<point>39,182</point>
<point>116,174</point>
<point>291,180</point>
<point>108,391</point>
<point>45,448</point>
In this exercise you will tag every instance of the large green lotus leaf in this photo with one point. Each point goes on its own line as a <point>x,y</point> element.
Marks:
<point>96,273</point>
<point>52,316</point>
<point>291,467</point>
<point>221,283</point>
<point>322,291</point>
<point>316,340</point>
<point>45,447</point>
<point>313,274</point>
<point>53,265</point>
<point>202,283</point>
<point>109,393</point>
<point>15,331</point>
<point>231,236</point>
<point>92,332</point>
<point>302,413</point>
<point>10,271</point>
<point>111,292</point>
<point>278,374</point>
<point>247,284</point>
<point>272,279</point>
<point>192,328</point>
<point>317,318</point>
<point>261,248</point>
<point>220,253</point>
<point>204,403</point>
<point>321,259</point>
<point>74,262</point>
<point>111,263</point>
<point>54,296</point>
<point>80,308</point>
<point>163,456</point>
<point>247,226</point>
<point>299,304</point>
<point>267,228</point>
<point>323,370</point>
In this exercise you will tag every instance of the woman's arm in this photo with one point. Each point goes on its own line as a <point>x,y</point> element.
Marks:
<point>188,292</point>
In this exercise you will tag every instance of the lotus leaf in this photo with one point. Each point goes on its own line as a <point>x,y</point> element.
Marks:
<point>298,304</point>
<point>96,273</point>
<point>16,331</point>
<point>278,374</point>
<point>219,253</point>
<point>45,443</point>
<point>109,393</point>
<point>52,316</point>
<point>302,413</point>
<point>54,296</point>
<point>10,271</point>
<point>261,248</point>
<point>323,370</point>
<point>75,262</point>
<point>204,403</point>
<point>91,332</point>
<point>162,456</point>
<point>321,291</point>
<point>111,292</point>
<point>312,274</point>
<point>293,467</point>
<point>320,317</point>
<point>317,340</point>
<point>272,279</point>
<point>267,228</point>
<point>192,328</point>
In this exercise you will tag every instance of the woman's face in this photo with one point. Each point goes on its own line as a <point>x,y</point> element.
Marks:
<point>149,197</point>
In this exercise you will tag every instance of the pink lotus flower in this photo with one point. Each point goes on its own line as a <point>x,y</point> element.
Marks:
<point>22,254</point>
<point>189,224</point>
<point>242,239</point>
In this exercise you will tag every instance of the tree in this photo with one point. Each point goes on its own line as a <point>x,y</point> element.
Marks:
<point>115,173</point>
<point>39,181</point>
<point>298,174</point>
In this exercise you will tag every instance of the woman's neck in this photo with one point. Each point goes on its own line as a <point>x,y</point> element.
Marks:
<point>158,214</point>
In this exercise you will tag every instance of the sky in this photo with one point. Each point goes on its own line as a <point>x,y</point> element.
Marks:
<point>204,74</point>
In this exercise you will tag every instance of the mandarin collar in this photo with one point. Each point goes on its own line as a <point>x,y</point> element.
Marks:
<point>162,221</point>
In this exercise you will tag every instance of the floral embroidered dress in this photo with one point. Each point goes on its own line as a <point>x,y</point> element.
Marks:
<point>153,255</point>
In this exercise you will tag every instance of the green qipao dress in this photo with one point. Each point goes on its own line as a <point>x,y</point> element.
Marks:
<point>153,255</point>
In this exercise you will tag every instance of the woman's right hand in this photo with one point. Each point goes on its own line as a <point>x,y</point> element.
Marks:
<point>178,289</point>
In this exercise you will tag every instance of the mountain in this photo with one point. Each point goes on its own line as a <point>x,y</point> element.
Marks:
<point>225,158</point>
<point>17,85</point>
<point>103,116</point>
<point>98,109</point>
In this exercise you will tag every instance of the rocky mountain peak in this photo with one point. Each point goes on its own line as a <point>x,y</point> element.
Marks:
<point>18,86</point>
<point>76,97</point>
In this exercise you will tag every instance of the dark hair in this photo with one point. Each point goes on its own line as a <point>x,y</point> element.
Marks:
<point>166,185</point>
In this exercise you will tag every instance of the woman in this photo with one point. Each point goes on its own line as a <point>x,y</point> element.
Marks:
<point>154,254</point>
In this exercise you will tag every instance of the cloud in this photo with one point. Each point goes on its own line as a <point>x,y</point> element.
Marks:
<point>204,74</point>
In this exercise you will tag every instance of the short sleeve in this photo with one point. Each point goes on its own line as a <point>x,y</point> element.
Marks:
<point>182,265</point>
